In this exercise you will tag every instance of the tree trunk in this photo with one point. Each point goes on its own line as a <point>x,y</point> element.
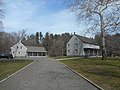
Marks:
<point>104,55</point>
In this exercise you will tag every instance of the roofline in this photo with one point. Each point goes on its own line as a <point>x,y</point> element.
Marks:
<point>90,43</point>
<point>84,41</point>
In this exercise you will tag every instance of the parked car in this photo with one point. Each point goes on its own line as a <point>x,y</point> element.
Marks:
<point>8,56</point>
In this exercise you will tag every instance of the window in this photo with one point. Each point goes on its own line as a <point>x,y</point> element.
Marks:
<point>76,39</point>
<point>29,53</point>
<point>44,53</point>
<point>68,50</point>
<point>68,45</point>
<point>18,52</point>
<point>17,47</point>
<point>76,45</point>
<point>34,53</point>
<point>76,50</point>
<point>39,54</point>
<point>21,47</point>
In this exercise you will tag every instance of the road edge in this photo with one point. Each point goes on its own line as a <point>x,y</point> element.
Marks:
<point>91,82</point>
<point>16,72</point>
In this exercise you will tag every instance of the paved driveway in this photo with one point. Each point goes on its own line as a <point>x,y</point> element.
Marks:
<point>46,74</point>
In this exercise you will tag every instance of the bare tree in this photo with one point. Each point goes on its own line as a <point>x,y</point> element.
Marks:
<point>112,44</point>
<point>1,15</point>
<point>100,16</point>
<point>6,41</point>
<point>19,35</point>
<point>1,26</point>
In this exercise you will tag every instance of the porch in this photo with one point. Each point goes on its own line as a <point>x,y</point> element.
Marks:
<point>36,53</point>
<point>91,52</point>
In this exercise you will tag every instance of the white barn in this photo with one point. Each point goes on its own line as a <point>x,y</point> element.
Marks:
<point>20,50</point>
<point>82,46</point>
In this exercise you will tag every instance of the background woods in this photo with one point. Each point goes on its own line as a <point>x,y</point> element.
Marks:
<point>112,44</point>
<point>54,44</point>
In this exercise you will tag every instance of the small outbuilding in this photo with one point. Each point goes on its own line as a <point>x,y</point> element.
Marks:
<point>20,50</point>
<point>35,51</point>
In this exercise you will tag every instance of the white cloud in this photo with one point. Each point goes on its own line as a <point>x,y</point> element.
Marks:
<point>18,12</point>
<point>28,15</point>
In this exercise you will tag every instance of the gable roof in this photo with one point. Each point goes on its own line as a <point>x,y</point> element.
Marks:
<point>18,44</point>
<point>35,49</point>
<point>86,40</point>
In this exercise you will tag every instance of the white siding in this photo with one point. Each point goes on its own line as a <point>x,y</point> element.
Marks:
<point>85,45</point>
<point>19,50</point>
<point>74,47</point>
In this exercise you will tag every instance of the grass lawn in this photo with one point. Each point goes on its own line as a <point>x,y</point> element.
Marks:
<point>104,73</point>
<point>7,67</point>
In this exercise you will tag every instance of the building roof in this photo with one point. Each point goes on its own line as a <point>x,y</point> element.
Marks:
<point>35,49</point>
<point>87,40</point>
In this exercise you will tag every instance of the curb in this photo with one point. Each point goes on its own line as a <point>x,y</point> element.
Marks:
<point>16,72</point>
<point>89,81</point>
<point>68,58</point>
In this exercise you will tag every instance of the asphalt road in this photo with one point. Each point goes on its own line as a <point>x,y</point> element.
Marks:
<point>46,74</point>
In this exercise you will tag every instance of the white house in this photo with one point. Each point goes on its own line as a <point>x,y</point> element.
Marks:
<point>82,46</point>
<point>19,50</point>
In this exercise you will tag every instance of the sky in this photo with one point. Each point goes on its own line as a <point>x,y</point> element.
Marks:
<point>51,16</point>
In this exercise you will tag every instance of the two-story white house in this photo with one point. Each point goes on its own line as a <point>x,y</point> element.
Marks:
<point>82,46</point>
<point>20,50</point>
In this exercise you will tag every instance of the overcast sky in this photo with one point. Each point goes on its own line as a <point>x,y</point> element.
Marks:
<point>39,15</point>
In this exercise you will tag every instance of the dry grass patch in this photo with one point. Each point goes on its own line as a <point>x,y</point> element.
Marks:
<point>104,73</point>
<point>11,66</point>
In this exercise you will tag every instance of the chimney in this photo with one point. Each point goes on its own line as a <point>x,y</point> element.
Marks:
<point>74,33</point>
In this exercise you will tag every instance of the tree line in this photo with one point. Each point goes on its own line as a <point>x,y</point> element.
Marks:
<point>55,44</point>
<point>112,43</point>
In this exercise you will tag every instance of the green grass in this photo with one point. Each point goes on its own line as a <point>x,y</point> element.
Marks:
<point>104,73</point>
<point>7,67</point>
